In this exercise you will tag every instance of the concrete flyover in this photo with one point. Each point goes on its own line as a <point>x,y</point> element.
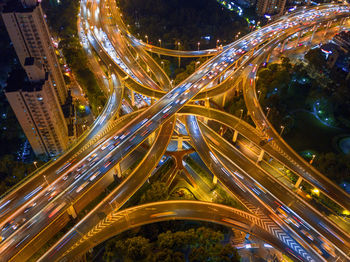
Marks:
<point>120,195</point>
<point>118,221</point>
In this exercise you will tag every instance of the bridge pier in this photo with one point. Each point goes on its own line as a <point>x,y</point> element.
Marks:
<point>118,170</point>
<point>215,180</point>
<point>151,138</point>
<point>297,184</point>
<point>297,42</point>
<point>207,103</point>
<point>224,99</point>
<point>235,135</point>
<point>261,156</point>
<point>132,98</point>
<point>283,45</point>
<point>329,23</point>
<point>71,211</point>
<point>179,143</point>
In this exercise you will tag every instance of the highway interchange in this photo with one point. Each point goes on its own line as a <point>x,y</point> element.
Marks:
<point>297,229</point>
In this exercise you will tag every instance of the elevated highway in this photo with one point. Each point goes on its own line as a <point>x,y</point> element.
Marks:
<point>116,222</point>
<point>142,126</point>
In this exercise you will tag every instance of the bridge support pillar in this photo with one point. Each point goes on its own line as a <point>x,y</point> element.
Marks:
<point>151,138</point>
<point>297,42</point>
<point>261,156</point>
<point>71,211</point>
<point>224,99</point>
<point>283,45</point>
<point>313,33</point>
<point>235,135</point>
<point>207,103</point>
<point>118,170</point>
<point>179,59</point>
<point>179,143</point>
<point>221,130</point>
<point>215,180</point>
<point>297,184</point>
<point>268,57</point>
<point>329,23</point>
<point>132,98</point>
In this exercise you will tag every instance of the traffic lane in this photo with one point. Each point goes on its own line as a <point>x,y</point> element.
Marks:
<point>159,73</point>
<point>289,199</point>
<point>16,200</point>
<point>233,184</point>
<point>188,210</point>
<point>120,195</point>
<point>53,194</point>
<point>300,166</point>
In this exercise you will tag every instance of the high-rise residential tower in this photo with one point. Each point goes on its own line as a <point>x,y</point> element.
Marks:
<point>270,7</point>
<point>26,26</point>
<point>37,98</point>
<point>37,110</point>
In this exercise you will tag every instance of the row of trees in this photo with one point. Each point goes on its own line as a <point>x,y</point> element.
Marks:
<point>286,88</point>
<point>187,21</point>
<point>62,19</point>
<point>194,245</point>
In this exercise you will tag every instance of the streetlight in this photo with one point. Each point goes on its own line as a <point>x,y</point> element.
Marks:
<point>259,95</point>
<point>146,36</point>
<point>197,63</point>
<point>312,160</point>
<point>99,109</point>
<point>162,63</point>
<point>160,42</point>
<point>316,191</point>
<point>179,58</point>
<point>282,128</point>
<point>241,114</point>
<point>36,167</point>
<point>217,43</point>
<point>198,44</point>
<point>47,182</point>
<point>268,111</point>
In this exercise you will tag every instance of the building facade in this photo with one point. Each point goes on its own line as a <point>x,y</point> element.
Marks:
<point>37,94</point>
<point>39,113</point>
<point>30,36</point>
<point>270,7</point>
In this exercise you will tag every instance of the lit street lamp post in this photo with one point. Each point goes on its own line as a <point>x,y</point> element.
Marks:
<point>146,36</point>
<point>268,111</point>
<point>47,182</point>
<point>259,95</point>
<point>198,44</point>
<point>312,160</point>
<point>178,48</point>
<point>282,129</point>
<point>36,167</point>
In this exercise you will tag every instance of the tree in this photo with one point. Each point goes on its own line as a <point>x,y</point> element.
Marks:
<point>316,58</point>
<point>167,255</point>
<point>136,248</point>
<point>229,253</point>
<point>157,192</point>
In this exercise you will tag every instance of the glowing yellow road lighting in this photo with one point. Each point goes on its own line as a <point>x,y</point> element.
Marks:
<point>315,191</point>
<point>346,212</point>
